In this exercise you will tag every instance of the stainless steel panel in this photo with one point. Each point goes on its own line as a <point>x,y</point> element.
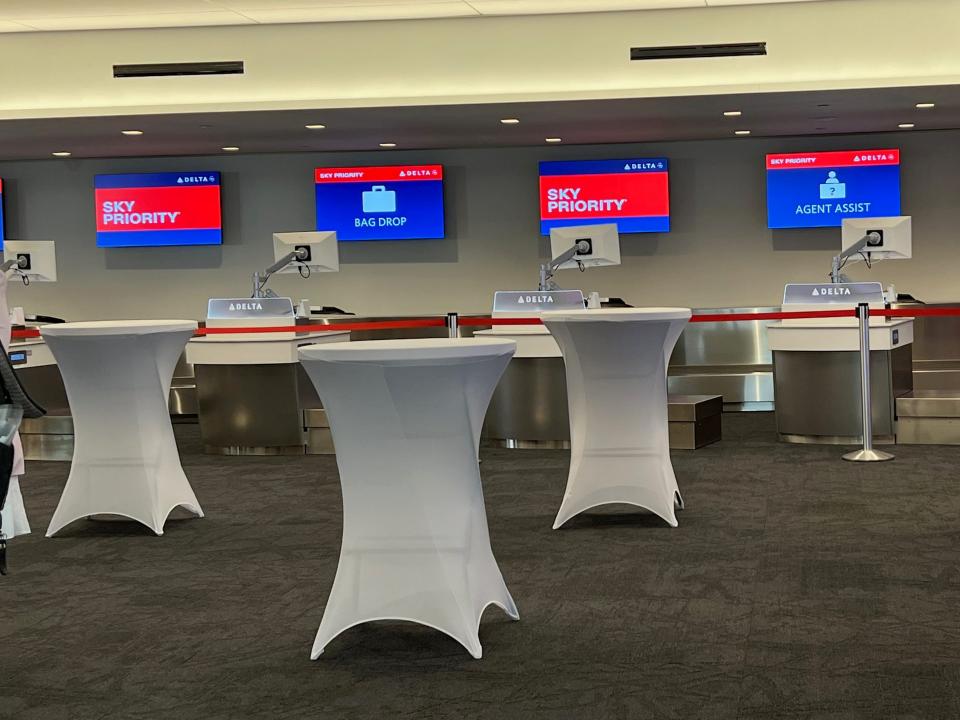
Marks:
<point>47,425</point>
<point>530,402</point>
<point>929,431</point>
<point>315,418</point>
<point>320,441</point>
<point>307,393</point>
<point>690,408</point>
<point>55,448</point>
<point>249,406</point>
<point>735,387</point>
<point>183,389</point>
<point>272,450</point>
<point>929,403</point>
<point>935,338</point>
<point>835,439</point>
<point>818,393</point>
<point>932,375</point>
<point>183,400</point>
<point>741,343</point>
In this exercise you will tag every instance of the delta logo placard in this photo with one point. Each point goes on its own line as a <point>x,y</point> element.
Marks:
<point>395,202</point>
<point>821,189</point>
<point>158,209</point>
<point>633,193</point>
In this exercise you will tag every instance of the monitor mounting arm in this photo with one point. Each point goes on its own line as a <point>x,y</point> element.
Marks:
<point>260,277</point>
<point>16,263</point>
<point>547,270</point>
<point>867,240</point>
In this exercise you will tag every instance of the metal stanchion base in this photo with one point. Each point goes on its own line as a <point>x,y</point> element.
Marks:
<point>868,456</point>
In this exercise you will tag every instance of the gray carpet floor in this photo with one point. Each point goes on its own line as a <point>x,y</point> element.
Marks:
<point>797,586</point>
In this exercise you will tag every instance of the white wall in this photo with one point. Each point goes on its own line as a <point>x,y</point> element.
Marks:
<point>720,252</point>
<point>814,45</point>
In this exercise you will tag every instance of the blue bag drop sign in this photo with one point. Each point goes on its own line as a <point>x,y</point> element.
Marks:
<point>397,202</point>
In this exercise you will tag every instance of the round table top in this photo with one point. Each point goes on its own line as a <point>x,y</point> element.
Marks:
<point>94,328</point>
<point>406,350</point>
<point>618,314</point>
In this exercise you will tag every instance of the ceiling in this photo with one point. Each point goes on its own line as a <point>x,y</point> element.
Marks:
<point>52,15</point>
<point>459,126</point>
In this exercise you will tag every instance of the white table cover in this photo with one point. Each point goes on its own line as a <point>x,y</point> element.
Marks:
<point>406,417</point>
<point>117,375</point>
<point>616,366</point>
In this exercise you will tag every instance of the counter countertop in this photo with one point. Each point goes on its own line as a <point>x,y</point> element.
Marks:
<point>837,337</point>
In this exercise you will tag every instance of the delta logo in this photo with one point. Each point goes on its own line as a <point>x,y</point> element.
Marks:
<point>817,292</point>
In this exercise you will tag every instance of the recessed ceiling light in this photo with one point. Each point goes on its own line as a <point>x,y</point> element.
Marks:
<point>510,121</point>
<point>553,140</point>
<point>926,106</point>
<point>131,132</point>
<point>230,148</point>
<point>905,126</point>
<point>61,153</point>
<point>388,145</point>
<point>315,126</point>
<point>741,132</point>
<point>732,113</point>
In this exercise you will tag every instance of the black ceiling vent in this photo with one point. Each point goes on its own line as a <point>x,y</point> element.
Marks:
<point>224,67</point>
<point>680,52</point>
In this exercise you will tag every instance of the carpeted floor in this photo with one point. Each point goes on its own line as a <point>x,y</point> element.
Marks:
<point>797,586</point>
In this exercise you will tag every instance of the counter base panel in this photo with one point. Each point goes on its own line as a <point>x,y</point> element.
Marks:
<point>928,431</point>
<point>272,450</point>
<point>818,393</point>
<point>48,438</point>
<point>835,439</point>
<point>251,409</point>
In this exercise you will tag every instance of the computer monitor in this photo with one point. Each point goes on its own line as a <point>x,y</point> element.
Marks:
<point>888,238</point>
<point>37,259</point>
<point>324,255</point>
<point>604,241</point>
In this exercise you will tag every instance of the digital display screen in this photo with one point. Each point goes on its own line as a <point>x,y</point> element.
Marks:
<point>633,193</point>
<point>401,202</point>
<point>820,189</point>
<point>18,357</point>
<point>158,209</point>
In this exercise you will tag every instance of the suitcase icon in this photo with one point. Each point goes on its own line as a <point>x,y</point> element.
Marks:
<point>379,200</point>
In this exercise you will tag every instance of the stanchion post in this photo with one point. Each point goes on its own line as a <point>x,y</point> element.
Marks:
<point>453,325</point>
<point>867,453</point>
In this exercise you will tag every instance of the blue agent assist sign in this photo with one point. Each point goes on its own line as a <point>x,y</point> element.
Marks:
<point>401,202</point>
<point>821,189</point>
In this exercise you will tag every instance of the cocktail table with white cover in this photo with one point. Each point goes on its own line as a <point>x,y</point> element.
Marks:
<point>406,417</point>
<point>616,366</point>
<point>117,375</point>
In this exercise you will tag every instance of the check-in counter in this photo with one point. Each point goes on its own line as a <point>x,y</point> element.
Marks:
<point>253,397</point>
<point>49,437</point>
<point>816,367</point>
